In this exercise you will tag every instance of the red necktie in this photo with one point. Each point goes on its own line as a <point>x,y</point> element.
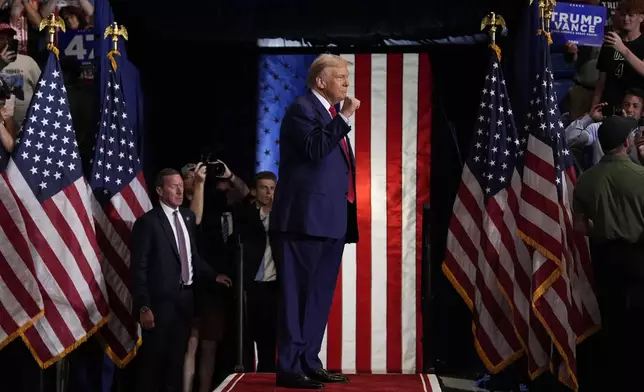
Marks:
<point>351,196</point>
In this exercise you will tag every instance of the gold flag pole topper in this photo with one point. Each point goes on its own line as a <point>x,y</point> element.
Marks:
<point>546,8</point>
<point>115,31</point>
<point>53,23</point>
<point>494,21</point>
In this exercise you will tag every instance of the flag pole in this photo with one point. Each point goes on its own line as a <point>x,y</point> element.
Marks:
<point>53,23</point>
<point>494,21</point>
<point>115,31</point>
<point>546,8</point>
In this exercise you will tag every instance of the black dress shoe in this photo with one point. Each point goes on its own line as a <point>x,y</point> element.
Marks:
<point>297,381</point>
<point>322,375</point>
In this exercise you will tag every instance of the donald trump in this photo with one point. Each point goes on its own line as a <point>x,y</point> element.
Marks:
<point>314,215</point>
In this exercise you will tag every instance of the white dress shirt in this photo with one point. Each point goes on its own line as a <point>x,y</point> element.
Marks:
<point>169,213</point>
<point>267,271</point>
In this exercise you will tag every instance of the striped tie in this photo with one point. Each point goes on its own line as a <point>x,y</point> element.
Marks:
<point>183,252</point>
<point>225,227</point>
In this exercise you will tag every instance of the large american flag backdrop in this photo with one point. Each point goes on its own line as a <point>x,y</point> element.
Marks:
<point>120,198</point>
<point>45,178</point>
<point>375,321</point>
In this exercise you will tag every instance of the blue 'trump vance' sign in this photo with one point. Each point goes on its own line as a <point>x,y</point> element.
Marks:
<point>580,24</point>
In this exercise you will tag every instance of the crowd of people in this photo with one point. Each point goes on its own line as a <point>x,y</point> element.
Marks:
<point>23,52</point>
<point>605,136</point>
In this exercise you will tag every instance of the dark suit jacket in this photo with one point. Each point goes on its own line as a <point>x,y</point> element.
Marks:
<point>254,239</point>
<point>155,264</point>
<point>310,197</point>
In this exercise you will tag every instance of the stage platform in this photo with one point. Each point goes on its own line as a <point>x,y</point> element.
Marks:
<point>261,382</point>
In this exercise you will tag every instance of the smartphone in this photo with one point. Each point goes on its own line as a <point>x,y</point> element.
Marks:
<point>13,45</point>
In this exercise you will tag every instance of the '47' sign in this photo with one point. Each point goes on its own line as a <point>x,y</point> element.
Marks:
<point>77,43</point>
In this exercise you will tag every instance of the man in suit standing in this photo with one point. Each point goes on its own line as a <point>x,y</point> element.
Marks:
<point>165,268</point>
<point>313,215</point>
<point>260,274</point>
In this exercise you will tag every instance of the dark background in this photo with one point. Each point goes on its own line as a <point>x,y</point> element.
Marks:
<point>199,76</point>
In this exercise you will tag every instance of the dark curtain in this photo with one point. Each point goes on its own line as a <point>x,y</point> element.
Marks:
<point>204,102</point>
<point>457,86</point>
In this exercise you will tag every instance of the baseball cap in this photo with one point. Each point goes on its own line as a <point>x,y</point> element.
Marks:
<point>187,168</point>
<point>614,131</point>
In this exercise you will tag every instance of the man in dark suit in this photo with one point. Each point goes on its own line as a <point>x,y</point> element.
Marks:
<point>165,268</point>
<point>260,274</point>
<point>313,215</point>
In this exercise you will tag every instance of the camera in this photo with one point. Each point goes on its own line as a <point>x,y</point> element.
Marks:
<point>7,88</point>
<point>212,165</point>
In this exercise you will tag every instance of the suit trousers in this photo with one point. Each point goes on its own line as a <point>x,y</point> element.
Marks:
<point>164,346</point>
<point>307,269</point>
<point>262,322</point>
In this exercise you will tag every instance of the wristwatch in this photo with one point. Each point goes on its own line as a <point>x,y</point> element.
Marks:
<point>144,309</point>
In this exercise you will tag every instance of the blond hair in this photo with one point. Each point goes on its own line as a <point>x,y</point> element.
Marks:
<point>321,63</point>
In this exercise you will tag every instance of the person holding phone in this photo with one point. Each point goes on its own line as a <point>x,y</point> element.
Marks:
<point>9,54</point>
<point>620,62</point>
<point>581,134</point>
<point>18,70</point>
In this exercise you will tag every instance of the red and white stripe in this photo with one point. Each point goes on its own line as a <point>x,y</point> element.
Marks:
<point>491,268</point>
<point>20,300</point>
<point>60,231</point>
<point>563,295</point>
<point>122,334</point>
<point>375,324</point>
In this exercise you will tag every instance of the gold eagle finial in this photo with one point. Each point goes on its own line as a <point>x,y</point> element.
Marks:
<point>494,22</point>
<point>115,31</point>
<point>52,22</point>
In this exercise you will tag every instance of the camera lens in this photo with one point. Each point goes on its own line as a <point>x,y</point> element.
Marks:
<point>219,169</point>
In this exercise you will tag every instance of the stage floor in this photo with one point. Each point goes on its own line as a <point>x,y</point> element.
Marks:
<point>261,382</point>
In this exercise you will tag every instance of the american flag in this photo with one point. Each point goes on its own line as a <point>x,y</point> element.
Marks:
<point>45,176</point>
<point>486,260</point>
<point>563,297</point>
<point>375,321</point>
<point>120,198</point>
<point>20,300</point>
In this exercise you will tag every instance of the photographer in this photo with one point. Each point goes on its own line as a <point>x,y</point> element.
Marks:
<point>213,190</point>
<point>581,135</point>
<point>194,177</point>
<point>20,72</point>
